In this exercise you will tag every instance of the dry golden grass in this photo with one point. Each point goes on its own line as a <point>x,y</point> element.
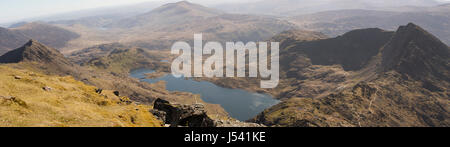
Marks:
<point>69,103</point>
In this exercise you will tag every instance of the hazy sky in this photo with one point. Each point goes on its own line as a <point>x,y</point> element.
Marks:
<point>13,10</point>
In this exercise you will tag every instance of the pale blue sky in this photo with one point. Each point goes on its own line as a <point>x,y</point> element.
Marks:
<point>13,10</point>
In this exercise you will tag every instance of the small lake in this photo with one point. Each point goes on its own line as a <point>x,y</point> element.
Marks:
<point>240,104</point>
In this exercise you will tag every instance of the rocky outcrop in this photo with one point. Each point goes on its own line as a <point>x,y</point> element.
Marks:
<point>178,115</point>
<point>182,115</point>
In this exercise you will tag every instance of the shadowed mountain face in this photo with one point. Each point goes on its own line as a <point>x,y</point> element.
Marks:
<point>353,50</point>
<point>34,51</point>
<point>404,84</point>
<point>417,53</point>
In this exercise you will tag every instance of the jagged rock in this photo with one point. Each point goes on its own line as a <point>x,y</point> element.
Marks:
<point>184,115</point>
<point>194,115</point>
<point>46,88</point>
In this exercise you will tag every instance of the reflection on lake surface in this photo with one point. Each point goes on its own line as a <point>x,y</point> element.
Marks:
<point>240,104</point>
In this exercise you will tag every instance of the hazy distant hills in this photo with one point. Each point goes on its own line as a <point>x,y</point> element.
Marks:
<point>98,16</point>
<point>52,35</point>
<point>179,21</point>
<point>297,7</point>
<point>161,27</point>
<point>48,34</point>
<point>169,14</point>
<point>334,23</point>
<point>10,40</point>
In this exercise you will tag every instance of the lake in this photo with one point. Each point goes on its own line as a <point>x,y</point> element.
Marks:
<point>240,104</point>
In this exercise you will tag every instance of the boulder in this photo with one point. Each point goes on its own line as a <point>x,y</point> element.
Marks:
<point>182,115</point>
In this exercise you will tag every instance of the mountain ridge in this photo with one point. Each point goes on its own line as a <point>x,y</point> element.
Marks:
<point>33,51</point>
<point>402,52</point>
<point>409,90</point>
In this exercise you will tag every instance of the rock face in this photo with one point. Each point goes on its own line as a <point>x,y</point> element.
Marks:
<point>353,50</point>
<point>417,53</point>
<point>182,115</point>
<point>191,116</point>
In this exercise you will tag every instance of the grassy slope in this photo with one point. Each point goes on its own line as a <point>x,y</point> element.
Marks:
<point>69,103</point>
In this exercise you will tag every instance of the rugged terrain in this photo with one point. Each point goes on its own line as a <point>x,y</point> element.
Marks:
<point>337,68</point>
<point>404,84</point>
<point>32,99</point>
<point>38,58</point>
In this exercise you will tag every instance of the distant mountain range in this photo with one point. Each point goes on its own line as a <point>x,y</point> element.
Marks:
<point>160,27</point>
<point>334,23</point>
<point>298,7</point>
<point>52,35</point>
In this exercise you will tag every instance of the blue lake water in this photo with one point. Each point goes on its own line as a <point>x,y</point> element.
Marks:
<point>240,104</point>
